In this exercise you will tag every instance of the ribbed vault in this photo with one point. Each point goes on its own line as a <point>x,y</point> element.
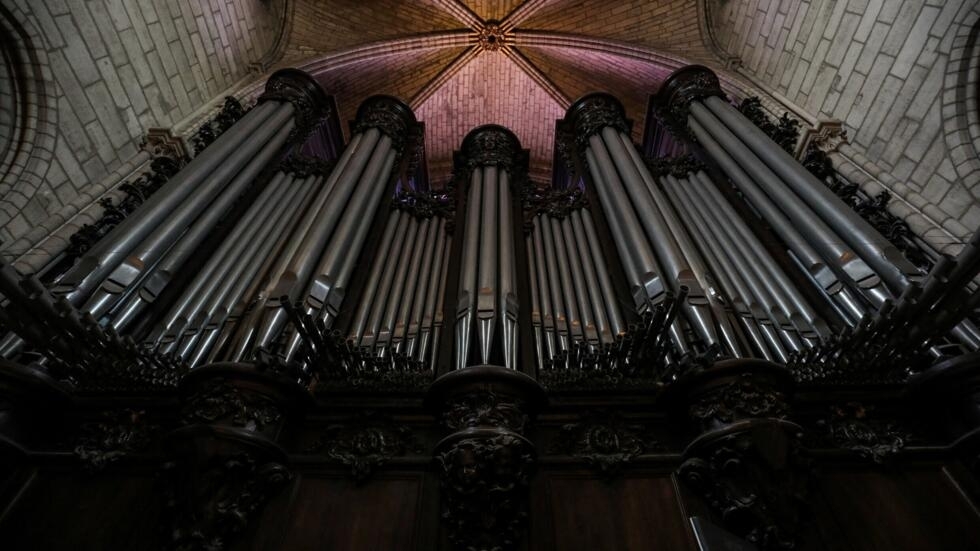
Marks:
<point>462,63</point>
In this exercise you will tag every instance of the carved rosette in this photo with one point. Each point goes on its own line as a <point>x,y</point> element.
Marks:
<point>116,435</point>
<point>365,443</point>
<point>390,116</point>
<point>303,91</point>
<point>673,101</point>
<point>605,441</point>
<point>486,463</point>
<point>849,427</point>
<point>492,145</point>
<point>593,112</point>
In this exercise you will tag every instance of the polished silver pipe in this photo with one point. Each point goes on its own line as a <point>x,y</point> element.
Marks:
<point>536,318</point>
<point>359,326</point>
<point>410,243</point>
<point>318,229</point>
<point>778,282</point>
<point>555,285</point>
<point>242,275</point>
<point>429,285</point>
<point>576,275</point>
<point>193,310</point>
<point>153,286</point>
<point>507,300</point>
<point>466,301</point>
<point>108,252</point>
<point>569,300</point>
<point>760,304</point>
<point>744,304</point>
<point>641,267</point>
<point>814,266</point>
<point>586,273</point>
<point>412,295</point>
<point>544,289</point>
<point>886,260</point>
<point>769,296</point>
<point>487,282</point>
<point>437,315</point>
<point>617,324</point>
<point>192,298</point>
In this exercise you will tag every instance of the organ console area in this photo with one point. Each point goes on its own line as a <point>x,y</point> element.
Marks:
<point>298,341</point>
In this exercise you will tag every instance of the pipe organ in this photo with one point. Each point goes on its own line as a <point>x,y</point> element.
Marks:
<point>690,284</point>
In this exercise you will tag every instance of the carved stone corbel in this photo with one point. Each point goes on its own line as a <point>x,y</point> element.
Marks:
<point>486,463</point>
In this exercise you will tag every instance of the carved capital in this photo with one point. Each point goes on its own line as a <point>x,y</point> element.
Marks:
<point>389,115</point>
<point>754,477</point>
<point>491,145</point>
<point>300,89</point>
<point>593,112</point>
<point>688,84</point>
<point>826,137</point>
<point>605,441</point>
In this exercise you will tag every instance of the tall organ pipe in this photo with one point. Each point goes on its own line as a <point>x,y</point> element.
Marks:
<point>412,294</point>
<point>877,251</point>
<point>544,291</point>
<point>560,314</point>
<point>385,251</point>
<point>536,317</point>
<point>487,302</point>
<point>814,266</point>
<point>617,324</point>
<point>421,326</point>
<point>105,255</point>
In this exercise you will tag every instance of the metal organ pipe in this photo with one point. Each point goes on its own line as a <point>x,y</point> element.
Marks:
<point>487,303</point>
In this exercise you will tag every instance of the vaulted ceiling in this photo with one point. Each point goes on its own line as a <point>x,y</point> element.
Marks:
<point>518,63</point>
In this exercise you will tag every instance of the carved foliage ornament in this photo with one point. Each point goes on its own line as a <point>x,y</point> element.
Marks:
<point>365,444</point>
<point>309,101</point>
<point>485,484</point>
<point>302,166</point>
<point>490,146</point>
<point>209,508</point>
<point>218,402</point>
<point>685,86</point>
<point>556,203</point>
<point>389,116</point>
<point>784,131</point>
<point>425,204</point>
<point>850,428</point>
<point>119,433</point>
<point>230,113</point>
<point>678,167</point>
<point>484,409</point>
<point>746,396</point>
<point>594,113</point>
<point>605,441</point>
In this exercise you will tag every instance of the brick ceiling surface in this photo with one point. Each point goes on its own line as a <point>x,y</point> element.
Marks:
<point>427,53</point>
<point>489,89</point>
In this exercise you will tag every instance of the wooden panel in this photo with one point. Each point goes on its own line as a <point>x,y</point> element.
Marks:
<point>572,511</point>
<point>334,513</point>
<point>913,509</point>
<point>79,511</point>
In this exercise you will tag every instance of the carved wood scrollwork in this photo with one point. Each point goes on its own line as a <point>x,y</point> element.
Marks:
<point>605,441</point>
<point>365,444</point>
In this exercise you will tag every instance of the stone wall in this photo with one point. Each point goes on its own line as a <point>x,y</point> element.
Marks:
<point>113,69</point>
<point>900,74</point>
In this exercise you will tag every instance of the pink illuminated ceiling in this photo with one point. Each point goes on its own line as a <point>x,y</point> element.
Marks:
<point>463,63</point>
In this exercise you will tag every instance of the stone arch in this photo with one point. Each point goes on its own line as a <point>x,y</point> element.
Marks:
<point>961,102</point>
<point>31,143</point>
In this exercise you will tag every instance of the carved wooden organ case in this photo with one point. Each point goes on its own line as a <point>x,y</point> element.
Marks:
<point>288,341</point>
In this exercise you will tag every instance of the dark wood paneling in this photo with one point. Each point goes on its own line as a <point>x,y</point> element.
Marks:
<point>575,510</point>
<point>915,508</point>
<point>333,513</point>
<point>78,512</point>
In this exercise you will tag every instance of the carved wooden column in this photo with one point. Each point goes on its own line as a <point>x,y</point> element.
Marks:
<point>486,461</point>
<point>746,462</point>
